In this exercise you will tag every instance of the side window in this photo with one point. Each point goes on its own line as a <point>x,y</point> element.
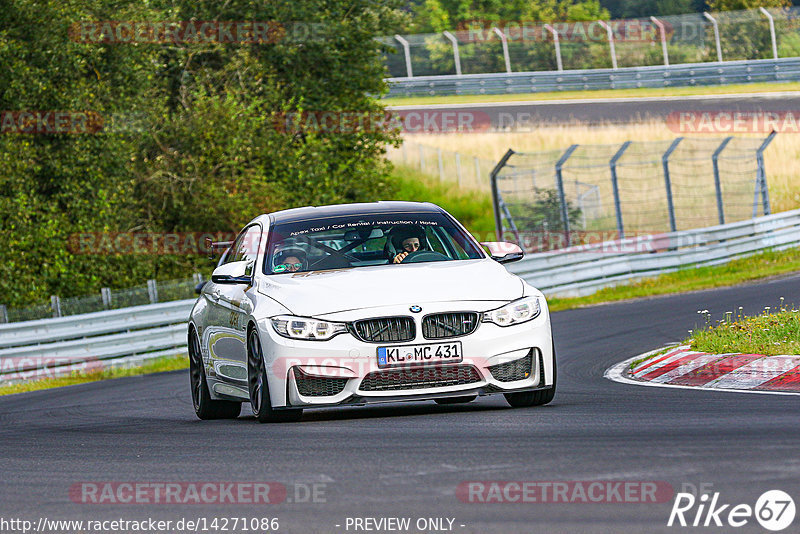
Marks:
<point>245,248</point>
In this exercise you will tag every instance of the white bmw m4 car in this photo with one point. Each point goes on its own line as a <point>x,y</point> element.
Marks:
<point>365,303</point>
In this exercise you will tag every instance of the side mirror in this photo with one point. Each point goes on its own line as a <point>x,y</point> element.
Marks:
<point>198,289</point>
<point>235,272</point>
<point>503,252</point>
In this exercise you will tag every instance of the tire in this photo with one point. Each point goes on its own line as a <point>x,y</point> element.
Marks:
<point>456,400</point>
<point>204,406</point>
<point>540,397</point>
<point>258,387</point>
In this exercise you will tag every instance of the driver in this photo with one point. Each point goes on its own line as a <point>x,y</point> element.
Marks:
<point>409,242</point>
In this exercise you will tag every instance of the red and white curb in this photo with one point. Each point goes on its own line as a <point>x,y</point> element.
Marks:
<point>682,367</point>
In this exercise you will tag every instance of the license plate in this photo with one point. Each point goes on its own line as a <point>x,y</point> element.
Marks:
<point>415,354</point>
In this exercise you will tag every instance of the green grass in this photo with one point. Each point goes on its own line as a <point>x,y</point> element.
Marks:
<point>764,87</point>
<point>691,278</point>
<point>167,363</point>
<point>769,333</point>
<point>473,209</point>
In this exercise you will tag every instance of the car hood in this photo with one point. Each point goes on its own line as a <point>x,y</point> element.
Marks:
<point>323,292</point>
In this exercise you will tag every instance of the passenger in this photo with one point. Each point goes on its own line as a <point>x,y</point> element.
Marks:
<point>290,260</point>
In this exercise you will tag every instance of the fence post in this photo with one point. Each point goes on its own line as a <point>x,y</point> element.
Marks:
<point>105,294</point>
<point>558,45</point>
<point>761,175</point>
<point>562,197</point>
<point>498,221</point>
<point>716,34</point>
<point>665,163</point>
<point>152,291</point>
<point>197,278</point>
<point>421,158</point>
<point>403,148</point>
<point>610,34</point>
<point>407,53</point>
<point>55,305</point>
<point>441,164</point>
<point>504,41</point>
<point>456,57</point>
<point>458,168</point>
<point>771,31</point>
<point>477,171</point>
<point>3,313</point>
<point>717,183</point>
<point>663,39</point>
<point>615,187</point>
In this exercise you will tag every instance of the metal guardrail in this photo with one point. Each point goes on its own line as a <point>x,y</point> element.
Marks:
<point>93,324</point>
<point>729,72</point>
<point>52,347</point>
<point>582,270</point>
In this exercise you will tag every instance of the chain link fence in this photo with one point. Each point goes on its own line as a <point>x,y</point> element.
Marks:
<point>463,170</point>
<point>532,46</point>
<point>108,299</point>
<point>588,193</point>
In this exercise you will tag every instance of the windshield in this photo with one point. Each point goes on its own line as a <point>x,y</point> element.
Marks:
<point>366,240</point>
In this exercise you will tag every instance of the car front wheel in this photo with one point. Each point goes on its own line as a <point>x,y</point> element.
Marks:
<point>259,388</point>
<point>204,406</point>
<point>534,398</point>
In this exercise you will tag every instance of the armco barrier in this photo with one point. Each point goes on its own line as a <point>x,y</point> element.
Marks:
<point>52,347</point>
<point>687,74</point>
<point>582,270</point>
<point>125,336</point>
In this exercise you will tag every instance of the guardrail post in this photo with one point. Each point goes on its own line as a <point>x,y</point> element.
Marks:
<point>105,294</point>
<point>504,42</point>
<point>3,313</point>
<point>610,34</point>
<point>668,183</point>
<point>407,52</point>
<point>152,291</point>
<point>558,45</point>
<point>456,57</point>
<point>458,168</point>
<point>761,176</point>
<point>441,164</point>
<point>663,32</point>
<point>615,187</point>
<point>498,221</point>
<point>55,305</point>
<point>716,34</point>
<point>717,183</point>
<point>771,31</point>
<point>561,196</point>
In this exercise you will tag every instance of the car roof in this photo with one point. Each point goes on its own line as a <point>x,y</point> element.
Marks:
<point>363,208</point>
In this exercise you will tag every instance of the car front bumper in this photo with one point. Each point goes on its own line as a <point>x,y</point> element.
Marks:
<point>344,369</point>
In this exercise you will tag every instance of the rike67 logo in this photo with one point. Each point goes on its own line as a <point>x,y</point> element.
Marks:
<point>774,510</point>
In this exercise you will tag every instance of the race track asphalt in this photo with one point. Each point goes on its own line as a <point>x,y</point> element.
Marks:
<point>406,460</point>
<point>615,110</point>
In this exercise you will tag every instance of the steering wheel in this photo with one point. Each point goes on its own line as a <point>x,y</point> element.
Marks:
<point>420,256</point>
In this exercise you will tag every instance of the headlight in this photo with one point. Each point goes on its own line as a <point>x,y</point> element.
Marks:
<point>306,328</point>
<point>519,311</point>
